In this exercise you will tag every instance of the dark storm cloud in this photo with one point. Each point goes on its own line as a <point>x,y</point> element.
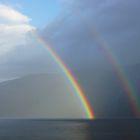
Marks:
<point>116,21</point>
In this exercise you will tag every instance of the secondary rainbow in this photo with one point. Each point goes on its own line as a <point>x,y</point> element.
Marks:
<point>123,77</point>
<point>78,90</point>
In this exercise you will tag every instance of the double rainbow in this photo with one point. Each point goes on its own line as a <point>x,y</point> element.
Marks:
<point>127,86</point>
<point>121,74</point>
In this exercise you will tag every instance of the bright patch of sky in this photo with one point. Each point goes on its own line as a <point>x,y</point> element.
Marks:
<point>17,44</point>
<point>42,12</point>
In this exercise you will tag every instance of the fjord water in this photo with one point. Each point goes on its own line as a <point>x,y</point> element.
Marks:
<point>102,129</point>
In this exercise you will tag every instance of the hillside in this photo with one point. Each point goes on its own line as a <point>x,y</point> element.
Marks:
<point>42,95</point>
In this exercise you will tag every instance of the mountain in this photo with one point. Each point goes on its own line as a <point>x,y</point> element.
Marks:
<point>40,95</point>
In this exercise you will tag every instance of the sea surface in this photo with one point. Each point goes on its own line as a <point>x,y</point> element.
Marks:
<point>41,129</point>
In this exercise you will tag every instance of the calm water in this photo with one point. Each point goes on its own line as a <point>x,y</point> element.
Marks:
<point>111,129</point>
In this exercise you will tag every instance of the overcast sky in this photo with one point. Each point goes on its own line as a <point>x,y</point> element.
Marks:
<point>115,21</point>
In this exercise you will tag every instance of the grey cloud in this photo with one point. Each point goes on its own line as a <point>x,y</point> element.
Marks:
<point>116,21</point>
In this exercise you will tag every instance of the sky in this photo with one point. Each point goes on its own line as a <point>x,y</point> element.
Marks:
<point>116,23</point>
<point>78,31</point>
<point>41,12</point>
<point>16,41</point>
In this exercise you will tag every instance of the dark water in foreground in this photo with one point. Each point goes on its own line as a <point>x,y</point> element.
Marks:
<point>102,129</point>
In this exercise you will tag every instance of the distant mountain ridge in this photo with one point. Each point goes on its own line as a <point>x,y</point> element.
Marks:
<point>41,95</point>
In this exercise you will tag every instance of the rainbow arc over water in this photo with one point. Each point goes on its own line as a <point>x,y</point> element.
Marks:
<point>72,80</point>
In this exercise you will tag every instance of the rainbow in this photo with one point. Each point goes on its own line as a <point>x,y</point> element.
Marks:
<point>122,76</point>
<point>78,90</point>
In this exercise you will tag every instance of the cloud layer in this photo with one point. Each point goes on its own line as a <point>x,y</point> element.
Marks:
<point>14,28</point>
<point>116,22</point>
<point>20,53</point>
